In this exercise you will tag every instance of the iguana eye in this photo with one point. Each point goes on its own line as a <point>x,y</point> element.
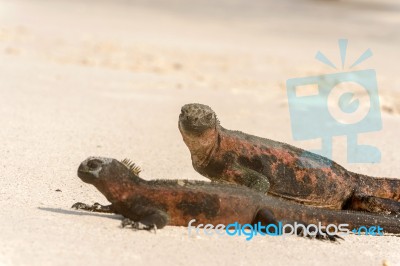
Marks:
<point>94,164</point>
<point>209,116</point>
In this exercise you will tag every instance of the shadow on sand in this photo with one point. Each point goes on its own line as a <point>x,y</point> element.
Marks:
<point>80,213</point>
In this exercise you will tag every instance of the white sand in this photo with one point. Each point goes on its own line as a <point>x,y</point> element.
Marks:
<point>108,78</point>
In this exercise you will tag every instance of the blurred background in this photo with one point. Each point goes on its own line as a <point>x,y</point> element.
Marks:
<point>147,57</point>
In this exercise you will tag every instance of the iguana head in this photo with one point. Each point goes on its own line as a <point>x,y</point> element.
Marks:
<point>198,125</point>
<point>196,118</point>
<point>108,175</point>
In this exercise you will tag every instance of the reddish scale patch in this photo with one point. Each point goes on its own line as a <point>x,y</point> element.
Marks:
<point>389,188</point>
<point>283,155</point>
<point>231,175</point>
<point>117,190</point>
<point>301,174</point>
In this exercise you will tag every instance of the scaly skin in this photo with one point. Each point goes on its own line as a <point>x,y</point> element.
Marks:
<point>278,169</point>
<point>157,203</point>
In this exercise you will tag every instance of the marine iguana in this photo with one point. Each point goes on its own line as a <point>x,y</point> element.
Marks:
<point>280,169</point>
<point>156,203</point>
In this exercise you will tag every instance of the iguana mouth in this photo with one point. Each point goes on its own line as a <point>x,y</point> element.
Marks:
<point>86,177</point>
<point>189,127</point>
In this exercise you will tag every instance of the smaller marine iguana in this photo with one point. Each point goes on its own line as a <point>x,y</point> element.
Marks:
<point>156,203</point>
<point>278,169</point>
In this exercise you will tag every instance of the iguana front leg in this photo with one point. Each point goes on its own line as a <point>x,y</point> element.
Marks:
<point>246,177</point>
<point>96,207</point>
<point>149,222</point>
<point>141,217</point>
<point>145,218</point>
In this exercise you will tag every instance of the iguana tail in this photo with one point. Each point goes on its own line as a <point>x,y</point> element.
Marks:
<point>388,188</point>
<point>292,212</point>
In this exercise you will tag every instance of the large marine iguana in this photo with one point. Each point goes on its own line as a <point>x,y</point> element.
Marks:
<point>280,169</point>
<point>156,203</point>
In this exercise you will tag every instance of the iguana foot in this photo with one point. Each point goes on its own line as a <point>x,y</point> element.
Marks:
<point>323,236</point>
<point>138,225</point>
<point>96,207</point>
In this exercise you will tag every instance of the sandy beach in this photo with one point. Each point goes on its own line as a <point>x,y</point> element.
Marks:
<point>108,78</point>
